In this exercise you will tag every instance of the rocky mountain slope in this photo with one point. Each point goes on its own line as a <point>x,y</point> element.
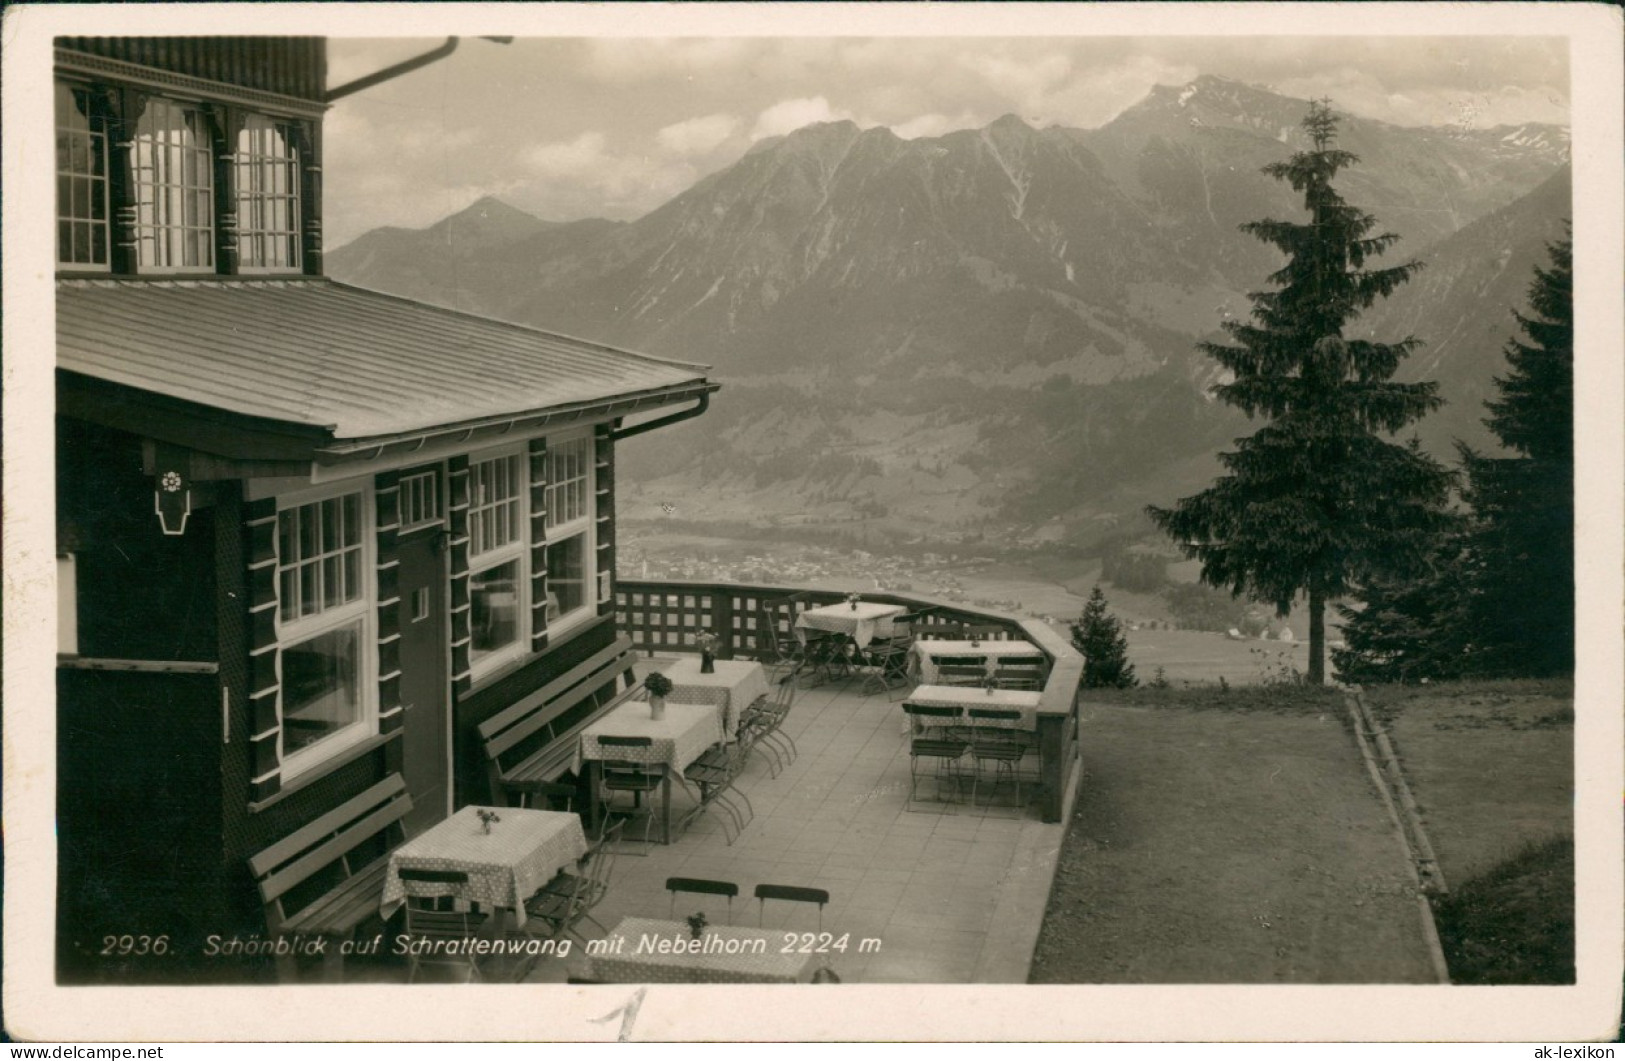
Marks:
<point>966,333</point>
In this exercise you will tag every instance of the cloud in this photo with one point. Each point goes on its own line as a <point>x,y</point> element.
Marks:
<point>622,60</point>
<point>791,114</point>
<point>697,136</point>
<point>933,125</point>
<point>568,158</point>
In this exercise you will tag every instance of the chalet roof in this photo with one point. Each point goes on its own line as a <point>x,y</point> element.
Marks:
<point>352,362</point>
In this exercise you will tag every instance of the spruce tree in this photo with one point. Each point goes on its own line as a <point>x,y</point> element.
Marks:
<point>1521,547</point>
<point>1315,502</point>
<point>1098,637</point>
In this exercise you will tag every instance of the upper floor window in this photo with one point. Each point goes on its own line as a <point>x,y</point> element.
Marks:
<point>174,188</point>
<point>81,182</point>
<point>267,172</point>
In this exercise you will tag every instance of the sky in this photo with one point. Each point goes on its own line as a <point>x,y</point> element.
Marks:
<point>612,127</point>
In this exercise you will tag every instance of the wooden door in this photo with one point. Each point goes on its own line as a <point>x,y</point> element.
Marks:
<point>425,690</point>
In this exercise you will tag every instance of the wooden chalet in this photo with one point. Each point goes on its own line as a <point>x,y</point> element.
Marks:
<point>310,537</point>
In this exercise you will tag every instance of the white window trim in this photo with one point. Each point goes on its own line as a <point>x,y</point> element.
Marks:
<point>207,149</point>
<point>106,183</point>
<point>516,550</point>
<point>296,198</point>
<point>363,610</point>
<point>67,605</point>
<point>585,526</point>
<point>434,476</point>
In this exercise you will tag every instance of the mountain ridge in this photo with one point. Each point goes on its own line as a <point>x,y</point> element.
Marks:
<point>892,318</point>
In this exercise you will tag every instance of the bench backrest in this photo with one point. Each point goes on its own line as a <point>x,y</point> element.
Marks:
<point>516,724</point>
<point>330,838</point>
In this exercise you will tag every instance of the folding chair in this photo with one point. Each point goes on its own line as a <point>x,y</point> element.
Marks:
<point>446,931</point>
<point>1019,673</point>
<point>930,738</point>
<point>890,658</point>
<point>996,741</point>
<point>961,673</point>
<point>789,893</point>
<point>780,654</point>
<point>569,899</point>
<point>640,779</point>
<point>542,795</point>
<point>715,772</point>
<point>765,722</point>
<point>700,886</point>
<point>827,656</point>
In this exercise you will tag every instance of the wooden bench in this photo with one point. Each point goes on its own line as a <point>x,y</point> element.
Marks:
<point>355,839</point>
<point>544,712</point>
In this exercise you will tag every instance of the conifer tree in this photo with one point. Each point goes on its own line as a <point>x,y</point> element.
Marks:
<point>1098,637</point>
<point>1521,555</point>
<point>1315,502</point>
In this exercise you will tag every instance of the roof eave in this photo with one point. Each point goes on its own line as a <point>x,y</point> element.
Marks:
<point>491,429</point>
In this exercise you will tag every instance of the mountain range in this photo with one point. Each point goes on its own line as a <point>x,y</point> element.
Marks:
<point>991,331</point>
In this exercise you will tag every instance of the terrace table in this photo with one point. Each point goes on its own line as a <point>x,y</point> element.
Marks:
<point>677,740</point>
<point>642,950</point>
<point>505,867</point>
<point>967,697</point>
<point>927,653</point>
<point>733,686</point>
<point>862,624</point>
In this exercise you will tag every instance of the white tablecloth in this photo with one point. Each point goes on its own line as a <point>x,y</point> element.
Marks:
<point>862,624</point>
<point>632,955</point>
<point>678,739</point>
<point>732,687</point>
<point>506,866</point>
<point>968,697</point>
<point>927,653</point>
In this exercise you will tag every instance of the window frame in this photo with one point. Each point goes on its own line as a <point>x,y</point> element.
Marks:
<point>584,527</point>
<point>361,612</point>
<point>100,149</point>
<point>161,233</point>
<point>516,550</point>
<point>246,163</point>
<point>434,494</point>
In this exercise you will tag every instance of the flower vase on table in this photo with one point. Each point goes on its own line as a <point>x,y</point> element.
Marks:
<point>852,601</point>
<point>708,643</point>
<point>696,924</point>
<point>659,687</point>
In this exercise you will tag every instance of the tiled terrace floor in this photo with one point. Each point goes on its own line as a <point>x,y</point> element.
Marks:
<point>954,895</point>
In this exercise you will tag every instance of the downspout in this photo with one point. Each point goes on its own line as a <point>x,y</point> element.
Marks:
<point>403,67</point>
<point>677,417</point>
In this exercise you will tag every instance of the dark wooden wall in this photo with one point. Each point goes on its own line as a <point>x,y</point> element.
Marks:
<point>291,66</point>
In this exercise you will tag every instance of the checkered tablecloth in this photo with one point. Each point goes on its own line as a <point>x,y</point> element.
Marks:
<point>968,697</point>
<point>927,654</point>
<point>731,687</point>
<point>678,739</point>
<point>862,624</point>
<point>726,954</point>
<point>522,852</point>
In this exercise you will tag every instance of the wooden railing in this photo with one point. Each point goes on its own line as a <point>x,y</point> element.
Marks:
<point>665,617</point>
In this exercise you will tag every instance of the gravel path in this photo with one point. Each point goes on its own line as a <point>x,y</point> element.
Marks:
<point>1228,846</point>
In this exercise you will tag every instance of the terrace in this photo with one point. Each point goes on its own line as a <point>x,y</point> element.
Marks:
<point>922,892</point>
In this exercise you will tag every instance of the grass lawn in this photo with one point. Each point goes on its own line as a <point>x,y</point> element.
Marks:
<point>1228,837</point>
<point>1492,767</point>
